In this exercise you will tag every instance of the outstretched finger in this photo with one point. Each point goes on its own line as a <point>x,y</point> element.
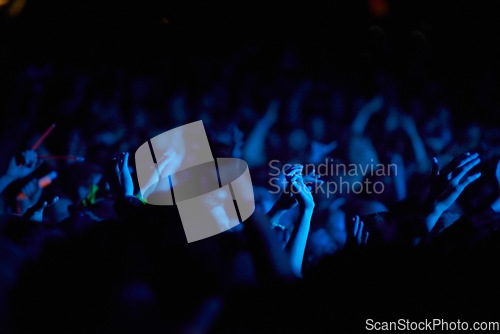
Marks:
<point>359,235</point>
<point>365,236</point>
<point>468,180</point>
<point>458,162</point>
<point>53,201</point>
<point>125,159</point>
<point>465,169</point>
<point>355,226</point>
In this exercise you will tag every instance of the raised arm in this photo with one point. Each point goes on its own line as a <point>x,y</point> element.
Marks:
<point>17,170</point>
<point>408,124</point>
<point>373,106</point>
<point>298,239</point>
<point>447,184</point>
<point>254,150</point>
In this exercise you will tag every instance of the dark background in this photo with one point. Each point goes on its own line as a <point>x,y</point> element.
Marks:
<point>455,43</point>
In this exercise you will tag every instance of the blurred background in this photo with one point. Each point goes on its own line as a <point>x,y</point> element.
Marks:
<point>151,65</point>
<point>447,49</point>
<point>113,74</point>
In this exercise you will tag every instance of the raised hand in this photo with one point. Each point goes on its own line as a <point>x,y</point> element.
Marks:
<point>312,178</point>
<point>448,183</point>
<point>357,235</point>
<point>123,175</point>
<point>117,177</point>
<point>30,163</point>
<point>286,201</point>
<point>301,192</point>
<point>296,192</point>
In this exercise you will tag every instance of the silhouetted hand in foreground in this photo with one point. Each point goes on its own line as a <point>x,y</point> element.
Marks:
<point>20,166</point>
<point>447,184</point>
<point>18,170</point>
<point>119,178</point>
<point>357,234</point>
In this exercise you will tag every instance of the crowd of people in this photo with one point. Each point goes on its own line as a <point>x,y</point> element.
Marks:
<point>370,203</point>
